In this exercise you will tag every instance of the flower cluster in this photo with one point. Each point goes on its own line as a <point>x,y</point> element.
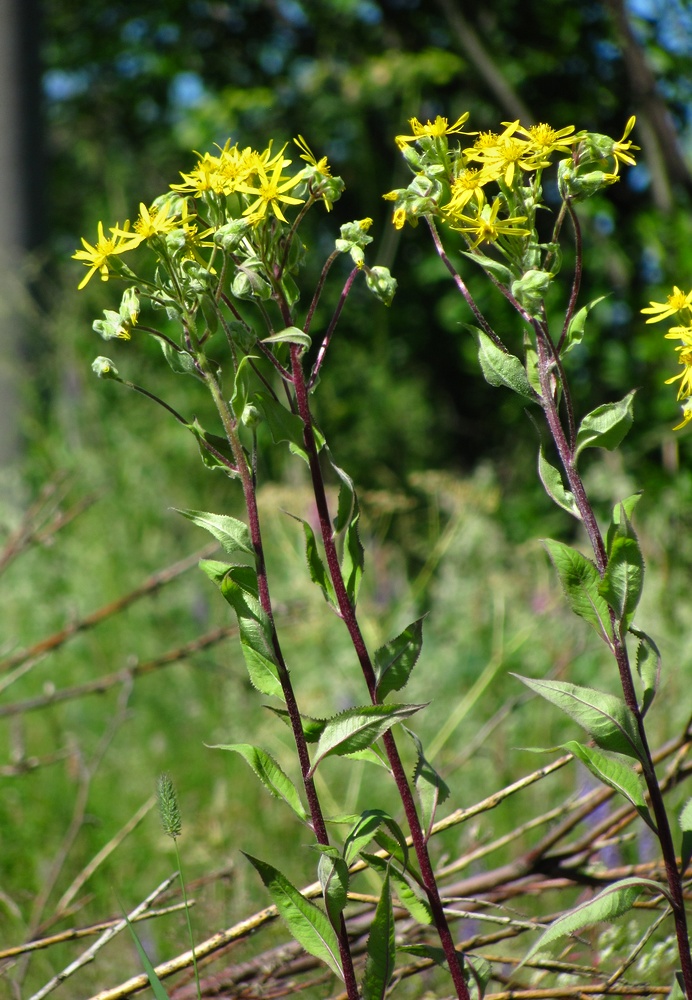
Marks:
<point>244,186</point>
<point>489,190</point>
<point>678,305</point>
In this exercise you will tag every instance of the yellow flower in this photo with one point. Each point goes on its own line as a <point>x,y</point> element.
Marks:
<point>621,149</point>
<point>271,191</point>
<point>545,139</point>
<point>676,302</point>
<point>467,185</point>
<point>487,228</point>
<point>321,166</point>
<point>502,154</point>
<point>434,129</point>
<point>164,220</point>
<point>686,415</point>
<point>97,257</point>
<point>685,376</point>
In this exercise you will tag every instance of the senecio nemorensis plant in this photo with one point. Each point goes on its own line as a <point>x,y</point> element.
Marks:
<point>224,255</point>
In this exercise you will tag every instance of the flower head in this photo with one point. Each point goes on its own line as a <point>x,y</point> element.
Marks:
<point>434,129</point>
<point>98,257</point>
<point>271,190</point>
<point>486,227</point>
<point>677,302</point>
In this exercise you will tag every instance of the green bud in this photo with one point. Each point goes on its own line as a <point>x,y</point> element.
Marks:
<point>250,416</point>
<point>104,368</point>
<point>531,289</point>
<point>230,236</point>
<point>581,180</point>
<point>381,283</point>
<point>111,327</point>
<point>129,306</point>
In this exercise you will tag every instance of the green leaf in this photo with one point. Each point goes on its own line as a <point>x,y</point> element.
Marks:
<point>685,820</point>
<point>580,581</point>
<point>318,571</point>
<point>616,773</point>
<point>312,728</point>
<point>500,368</point>
<point>648,662</point>
<point>262,672</point>
<point>623,579</point>
<point>154,981</point>
<point>612,902</point>
<point>410,895</point>
<point>430,787</point>
<point>379,964</point>
<point>395,660</point>
<point>494,267</point>
<point>621,511</point>
<point>575,330</point>
<point>357,728</point>
<point>347,504</point>
<point>604,717</point>
<point>554,487</point>
<point>233,534</point>
<point>677,989</point>
<point>308,924</point>
<point>274,779</point>
<point>366,828</point>
<point>332,872</point>
<point>606,426</point>
<point>478,975</point>
<point>353,559</point>
<point>238,584</point>
<point>245,379</point>
<point>291,335</point>
<point>218,443</point>
<point>179,361</point>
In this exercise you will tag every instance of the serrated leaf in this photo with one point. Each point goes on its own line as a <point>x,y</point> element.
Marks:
<point>614,772</point>
<point>554,487</point>
<point>347,502</point>
<point>685,821</point>
<point>429,951</point>
<point>352,559</point>
<point>270,773</point>
<point>620,517</point>
<point>502,369</point>
<point>291,335</point>
<point>395,660</point>
<point>308,924</point>
<point>179,361</point>
<point>312,728</point>
<point>575,330</point>
<point>332,872</point>
<point>262,672</point>
<point>623,579</point>
<point>648,661</point>
<point>233,534</point>
<point>606,426</point>
<point>410,895</point>
<point>239,588</point>
<point>606,718</point>
<point>381,949</point>
<point>358,728</point>
<point>580,581</point>
<point>318,571</point>
<point>494,267</point>
<point>366,829</point>
<point>478,975</point>
<point>612,902</point>
<point>430,787</point>
<point>219,445</point>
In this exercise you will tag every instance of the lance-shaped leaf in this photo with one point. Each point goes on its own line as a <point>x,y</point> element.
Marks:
<point>430,787</point>
<point>262,672</point>
<point>238,584</point>
<point>554,487</point>
<point>500,368</point>
<point>379,964</point>
<point>353,559</point>
<point>332,872</point>
<point>580,581</point>
<point>621,512</point>
<point>605,718</point>
<point>284,425</point>
<point>367,828</point>
<point>274,779</point>
<point>233,534</point>
<point>291,335</point>
<point>606,426</point>
<point>358,728</point>
<point>685,820</point>
<point>410,895</point>
<point>318,571</point>
<point>575,330</point>
<point>612,902</point>
<point>494,267</point>
<point>615,772</point>
<point>648,662</point>
<point>396,659</point>
<point>308,924</point>
<point>218,451</point>
<point>623,579</point>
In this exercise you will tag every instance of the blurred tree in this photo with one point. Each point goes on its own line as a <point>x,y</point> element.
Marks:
<point>131,90</point>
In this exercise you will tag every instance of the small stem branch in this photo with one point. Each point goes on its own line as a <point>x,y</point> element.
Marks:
<point>330,329</point>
